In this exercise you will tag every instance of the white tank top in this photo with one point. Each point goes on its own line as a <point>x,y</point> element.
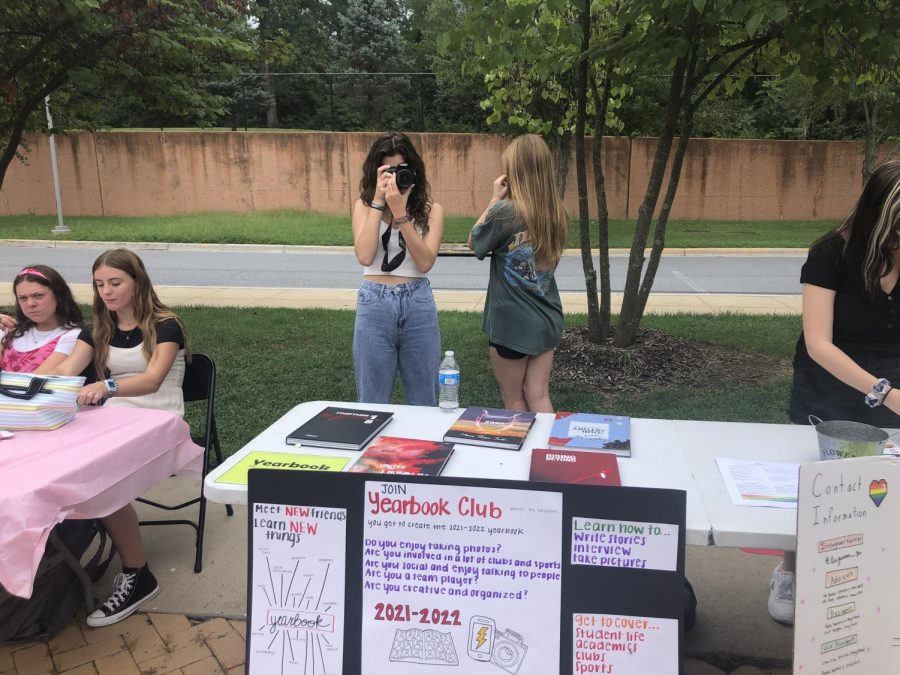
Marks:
<point>125,362</point>
<point>406,269</point>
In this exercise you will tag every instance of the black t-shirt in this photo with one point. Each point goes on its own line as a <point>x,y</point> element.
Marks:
<point>863,325</point>
<point>167,330</point>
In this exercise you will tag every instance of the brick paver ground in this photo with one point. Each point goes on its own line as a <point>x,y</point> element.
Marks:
<point>142,644</point>
<point>156,644</point>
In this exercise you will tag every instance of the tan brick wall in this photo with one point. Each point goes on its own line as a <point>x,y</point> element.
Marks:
<point>154,173</point>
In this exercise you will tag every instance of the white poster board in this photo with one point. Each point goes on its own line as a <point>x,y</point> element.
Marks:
<point>435,595</point>
<point>848,560</point>
<point>297,624</point>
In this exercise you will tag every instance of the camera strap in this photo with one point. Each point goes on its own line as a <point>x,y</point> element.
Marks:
<point>397,259</point>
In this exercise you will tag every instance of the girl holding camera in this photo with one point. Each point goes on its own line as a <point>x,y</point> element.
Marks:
<point>524,228</point>
<point>397,231</point>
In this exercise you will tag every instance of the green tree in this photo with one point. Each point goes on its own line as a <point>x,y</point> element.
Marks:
<point>295,36</point>
<point>452,99</point>
<point>369,43</point>
<point>530,50</point>
<point>159,51</point>
<point>525,53</point>
<point>859,53</point>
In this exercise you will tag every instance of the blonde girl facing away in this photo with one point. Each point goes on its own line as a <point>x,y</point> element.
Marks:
<point>524,228</point>
<point>138,347</point>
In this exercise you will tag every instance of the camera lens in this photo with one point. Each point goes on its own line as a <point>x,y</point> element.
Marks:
<point>405,174</point>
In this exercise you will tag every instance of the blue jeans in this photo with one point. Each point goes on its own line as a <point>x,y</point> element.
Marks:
<point>396,326</point>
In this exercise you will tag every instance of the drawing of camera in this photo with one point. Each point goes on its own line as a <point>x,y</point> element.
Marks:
<point>509,651</point>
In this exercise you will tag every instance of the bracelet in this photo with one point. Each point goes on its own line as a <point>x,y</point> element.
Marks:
<point>377,207</point>
<point>879,391</point>
<point>112,387</point>
<point>403,219</point>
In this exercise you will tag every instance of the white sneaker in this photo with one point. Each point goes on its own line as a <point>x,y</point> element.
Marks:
<point>781,596</point>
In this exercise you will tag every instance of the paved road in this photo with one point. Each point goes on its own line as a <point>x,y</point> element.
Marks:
<point>677,274</point>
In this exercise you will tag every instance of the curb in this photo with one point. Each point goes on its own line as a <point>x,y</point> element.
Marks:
<point>446,249</point>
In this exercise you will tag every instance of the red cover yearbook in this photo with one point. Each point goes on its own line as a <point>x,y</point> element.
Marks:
<point>574,466</point>
<point>389,454</point>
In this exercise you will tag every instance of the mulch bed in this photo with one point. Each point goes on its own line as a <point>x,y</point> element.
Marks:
<point>657,360</point>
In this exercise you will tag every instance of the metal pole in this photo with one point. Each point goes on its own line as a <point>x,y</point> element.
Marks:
<point>60,225</point>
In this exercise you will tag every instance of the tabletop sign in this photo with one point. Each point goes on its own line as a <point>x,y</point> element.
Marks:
<point>848,554</point>
<point>411,575</point>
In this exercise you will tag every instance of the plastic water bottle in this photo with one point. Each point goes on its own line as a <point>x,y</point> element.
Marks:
<point>448,383</point>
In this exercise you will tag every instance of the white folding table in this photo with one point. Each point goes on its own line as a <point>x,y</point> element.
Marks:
<point>745,526</point>
<point>658,459</point>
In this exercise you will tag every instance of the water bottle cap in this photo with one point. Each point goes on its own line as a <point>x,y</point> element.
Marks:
<point>448,353</point>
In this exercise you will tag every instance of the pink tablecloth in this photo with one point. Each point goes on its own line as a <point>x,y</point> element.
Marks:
<point>88,468</point>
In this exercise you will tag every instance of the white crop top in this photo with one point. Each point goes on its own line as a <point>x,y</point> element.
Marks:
<point>407,268</point>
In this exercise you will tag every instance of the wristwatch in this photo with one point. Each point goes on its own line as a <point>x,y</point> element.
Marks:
<point>112,387</point>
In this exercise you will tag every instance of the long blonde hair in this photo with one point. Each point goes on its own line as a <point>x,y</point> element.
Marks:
<point>531,176</point>
<point>148,310</point>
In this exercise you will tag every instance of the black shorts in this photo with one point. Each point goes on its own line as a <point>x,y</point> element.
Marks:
<point>507,353</point>
<point>815,391</point>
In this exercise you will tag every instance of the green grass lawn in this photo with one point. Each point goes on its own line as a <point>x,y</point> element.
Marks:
<point>307,228</point>
<point>269,360</point>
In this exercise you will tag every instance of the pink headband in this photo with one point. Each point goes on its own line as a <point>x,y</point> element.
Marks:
<point>32,272</point>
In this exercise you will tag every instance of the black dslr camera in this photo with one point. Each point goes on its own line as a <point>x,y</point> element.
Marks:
<point>404,173</point>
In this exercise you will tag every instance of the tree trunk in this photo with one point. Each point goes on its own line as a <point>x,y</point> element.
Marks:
<point>272,109</point>
<point>584,222</point>
<point>604,320</point>
<point>659,234</point>
<point>563,153</point>
<point>870,108</point>
<point>630,318</point>
<point>17,128</point>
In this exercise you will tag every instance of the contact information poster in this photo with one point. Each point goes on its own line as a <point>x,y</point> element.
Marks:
<point>460,576</point>
<point>355,574</point>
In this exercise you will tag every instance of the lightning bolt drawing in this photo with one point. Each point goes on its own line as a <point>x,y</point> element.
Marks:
<point>481,637</point>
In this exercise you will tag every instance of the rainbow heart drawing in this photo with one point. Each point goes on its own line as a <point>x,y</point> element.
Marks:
<point>878,491</point>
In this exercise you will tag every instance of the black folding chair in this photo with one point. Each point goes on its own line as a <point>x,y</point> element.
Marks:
<point>199,385</point>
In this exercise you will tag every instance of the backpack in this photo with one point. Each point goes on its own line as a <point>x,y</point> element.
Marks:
<point>58,588</point>
<point>690,606</point>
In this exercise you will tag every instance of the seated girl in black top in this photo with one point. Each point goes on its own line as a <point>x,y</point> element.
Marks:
<point>138,345</point>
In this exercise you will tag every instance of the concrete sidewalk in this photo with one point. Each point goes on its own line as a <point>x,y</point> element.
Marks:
<point>446,249</point>
<point>466,301</point>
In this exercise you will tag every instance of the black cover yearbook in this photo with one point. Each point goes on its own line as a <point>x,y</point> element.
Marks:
<point>342,428</point>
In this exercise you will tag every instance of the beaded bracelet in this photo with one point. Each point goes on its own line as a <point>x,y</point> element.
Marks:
<point>404,219</point>
<point>879,391</point>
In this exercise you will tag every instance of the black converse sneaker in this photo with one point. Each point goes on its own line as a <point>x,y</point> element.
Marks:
<point>131,590</point>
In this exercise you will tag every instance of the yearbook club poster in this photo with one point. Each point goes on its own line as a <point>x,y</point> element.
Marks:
<point>461,575</point>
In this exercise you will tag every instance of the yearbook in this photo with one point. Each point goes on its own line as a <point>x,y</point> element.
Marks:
<point>491,427</point>
<point>574,466</point>
<point>589,431</point>
<point>341,428</point>
<point>412,456</point>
